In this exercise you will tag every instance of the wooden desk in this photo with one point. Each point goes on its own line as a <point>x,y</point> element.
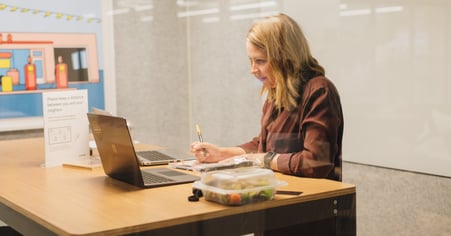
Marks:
<point>73,201</point>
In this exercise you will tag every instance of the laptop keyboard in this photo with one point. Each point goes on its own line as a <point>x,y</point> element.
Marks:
<point>154,156</point>
<point>149,178</point>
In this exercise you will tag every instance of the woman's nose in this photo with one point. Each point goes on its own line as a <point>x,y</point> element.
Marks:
<point>254,69</point>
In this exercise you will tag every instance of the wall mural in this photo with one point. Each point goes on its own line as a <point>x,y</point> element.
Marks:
<point>32,63</point>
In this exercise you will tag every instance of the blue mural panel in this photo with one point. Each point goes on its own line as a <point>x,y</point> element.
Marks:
<point>30,104</point>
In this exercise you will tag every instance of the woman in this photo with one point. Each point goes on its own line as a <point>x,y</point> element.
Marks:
<point>302,121</point>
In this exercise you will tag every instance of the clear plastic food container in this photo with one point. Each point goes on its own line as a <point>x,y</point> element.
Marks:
<point>238,186</point>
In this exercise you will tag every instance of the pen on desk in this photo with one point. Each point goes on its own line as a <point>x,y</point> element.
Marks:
<point>199,135</point>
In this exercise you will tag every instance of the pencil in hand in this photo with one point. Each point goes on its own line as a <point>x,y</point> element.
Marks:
<point>199,135</point>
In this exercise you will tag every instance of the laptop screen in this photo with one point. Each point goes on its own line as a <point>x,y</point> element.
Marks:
<point>115,148</point>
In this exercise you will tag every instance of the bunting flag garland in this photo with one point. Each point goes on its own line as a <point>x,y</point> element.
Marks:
<point>45,13</point>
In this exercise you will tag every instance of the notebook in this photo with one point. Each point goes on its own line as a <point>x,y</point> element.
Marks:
<point>119,159</point>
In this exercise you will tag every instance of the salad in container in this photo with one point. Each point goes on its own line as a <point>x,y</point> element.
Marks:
<point>238,186</point>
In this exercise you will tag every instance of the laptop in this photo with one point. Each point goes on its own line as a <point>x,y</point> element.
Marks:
<point>154,157</point>
<point>119,159</point>
<point>162,157</point>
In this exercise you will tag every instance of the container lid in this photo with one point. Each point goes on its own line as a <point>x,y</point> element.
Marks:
<point>239,178</point>
<point>225,191</point>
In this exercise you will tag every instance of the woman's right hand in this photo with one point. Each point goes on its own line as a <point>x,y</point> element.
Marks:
<point>206,152</point>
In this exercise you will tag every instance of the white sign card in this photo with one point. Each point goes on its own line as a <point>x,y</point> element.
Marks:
<point>66,127</point>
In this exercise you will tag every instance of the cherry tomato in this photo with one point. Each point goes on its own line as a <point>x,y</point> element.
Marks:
<point>234,198</point>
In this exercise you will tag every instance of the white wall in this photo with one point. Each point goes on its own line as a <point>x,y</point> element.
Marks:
<point>388,59</point>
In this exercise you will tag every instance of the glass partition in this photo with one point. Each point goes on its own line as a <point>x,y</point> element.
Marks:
<point>184,62</point>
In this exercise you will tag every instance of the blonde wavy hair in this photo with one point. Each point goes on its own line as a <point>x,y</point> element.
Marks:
<point>289,56</point>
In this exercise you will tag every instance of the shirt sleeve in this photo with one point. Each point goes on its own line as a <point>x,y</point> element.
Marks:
<point>251,146</point>
<point>320,129</point>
